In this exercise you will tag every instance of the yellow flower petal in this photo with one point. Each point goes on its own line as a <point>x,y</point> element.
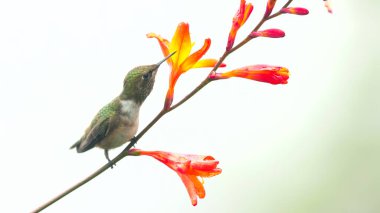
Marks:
<point>181,43</point>
<point>164,44</point>
<point>194,58</point>
<point>206,63</point>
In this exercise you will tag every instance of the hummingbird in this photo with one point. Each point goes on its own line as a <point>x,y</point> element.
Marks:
<point>117,122</point>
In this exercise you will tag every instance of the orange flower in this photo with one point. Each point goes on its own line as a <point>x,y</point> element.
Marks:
<point>188,168</point>
<point>270,6</point>
<point>295,10</point>
<point>182,61</point>
<point>239,19</point>
<point>264,73</point>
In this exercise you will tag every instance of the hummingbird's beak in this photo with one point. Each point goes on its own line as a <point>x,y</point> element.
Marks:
<point>166,58</point>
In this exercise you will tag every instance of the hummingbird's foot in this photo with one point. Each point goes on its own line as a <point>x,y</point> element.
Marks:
<point>108,158</point>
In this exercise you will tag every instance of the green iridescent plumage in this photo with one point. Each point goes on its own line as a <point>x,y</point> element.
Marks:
<point>107,111</point>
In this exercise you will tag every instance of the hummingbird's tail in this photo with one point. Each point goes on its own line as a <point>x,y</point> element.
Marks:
<point>78,146</point>
<point>75,145</point>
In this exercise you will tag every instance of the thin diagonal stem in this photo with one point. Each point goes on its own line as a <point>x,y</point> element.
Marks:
<point>124,153</point>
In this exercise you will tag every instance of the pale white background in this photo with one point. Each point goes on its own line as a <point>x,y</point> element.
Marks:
<point>309,146</point>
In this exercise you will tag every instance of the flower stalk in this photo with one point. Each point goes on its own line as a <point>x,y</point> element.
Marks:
<point>185,61</point>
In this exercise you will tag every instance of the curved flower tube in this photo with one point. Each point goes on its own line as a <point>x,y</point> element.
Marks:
<point>269,33</point>
<point>295,10</point>
<point>188,168</point>
<point>263,73</point>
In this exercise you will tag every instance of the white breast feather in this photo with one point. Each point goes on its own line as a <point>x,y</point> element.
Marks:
<point>130,109</point>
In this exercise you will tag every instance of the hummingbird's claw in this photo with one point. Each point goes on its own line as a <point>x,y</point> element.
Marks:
<point>134,141</point>
<point>109,160</point>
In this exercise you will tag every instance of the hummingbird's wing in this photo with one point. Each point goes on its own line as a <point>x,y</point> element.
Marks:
<point>103,123</point>
<point>96,134</point>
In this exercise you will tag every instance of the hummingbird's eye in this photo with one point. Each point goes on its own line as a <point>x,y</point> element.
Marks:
<point>146,75</point>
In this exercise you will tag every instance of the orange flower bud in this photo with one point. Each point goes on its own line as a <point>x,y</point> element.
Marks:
<point>239,19</point>
<point>270,6</point>
<point>263,73</point>
<point>295,10</point>
<point>270,33</point>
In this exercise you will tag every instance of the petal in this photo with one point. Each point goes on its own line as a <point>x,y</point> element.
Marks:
<point>170,156</point>
<point>194,58</point>
<point>164,44</point>
<point>169,159</point>
<point>169,98</point>
<point>207,174</point>
<point>247,13</point>
<point>270,6</point>
<point>239,14</point>
<point>199,157</point>
<point>184,166</point>
<point>181,43</point>
<point>269,33</point>
<point>204,165</point>
<point>174,75</point>
<point>207,63</point>
<point>191,190</point>
<point>262,73</point>
<point>295,10</point>
<point>268,77</point>
<point>243,13</point>
<point>200,190</point>
<point>232,36</point>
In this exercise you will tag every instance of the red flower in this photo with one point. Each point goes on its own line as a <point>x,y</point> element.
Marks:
<point>263,73</point>
<point>295,10</point>
<point>270,33</point>
<point>270,6</point>
<point>239,19</point>
<point>188,168</point>
<point>182,61</point>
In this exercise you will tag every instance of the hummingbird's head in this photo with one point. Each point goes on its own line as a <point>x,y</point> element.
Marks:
<point>138,83</point>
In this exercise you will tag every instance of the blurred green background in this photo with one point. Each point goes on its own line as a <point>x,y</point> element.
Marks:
<point>312,145</point>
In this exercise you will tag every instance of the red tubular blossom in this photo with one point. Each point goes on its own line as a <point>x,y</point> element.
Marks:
<point>269,33</point>
<point>239,19</point>
<point>295,10</point>
<point>188,168</point>
<point>270,6</point>
<point>263,73</point>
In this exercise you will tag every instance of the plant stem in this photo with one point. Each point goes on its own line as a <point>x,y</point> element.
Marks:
<point>76,186</point>
<point>191,94</point>
<point>124,153</point>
